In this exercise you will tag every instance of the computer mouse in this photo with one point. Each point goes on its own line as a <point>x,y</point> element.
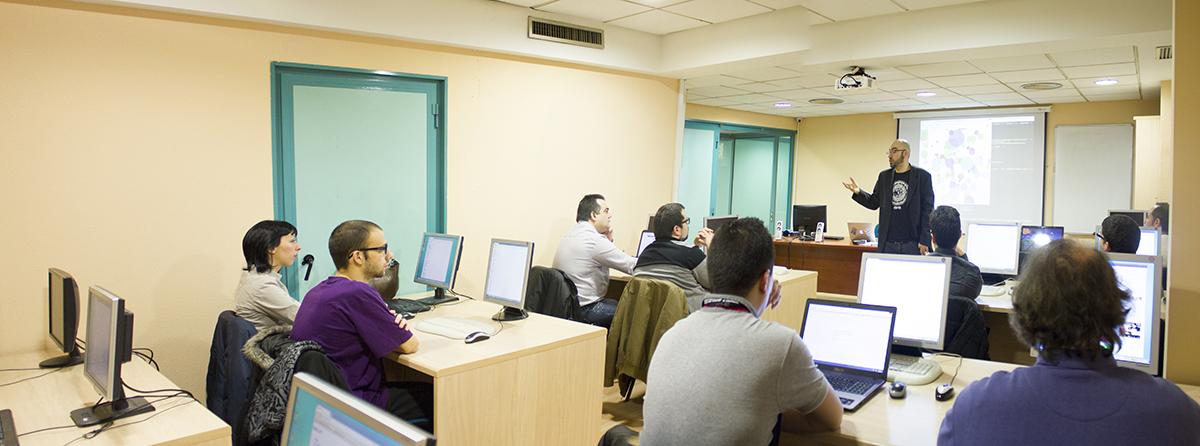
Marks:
<point>897,390</point>
<point>476,336</point>
<point>943,392</point>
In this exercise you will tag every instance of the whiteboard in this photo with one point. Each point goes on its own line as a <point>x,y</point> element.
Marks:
<point>1093,172</point>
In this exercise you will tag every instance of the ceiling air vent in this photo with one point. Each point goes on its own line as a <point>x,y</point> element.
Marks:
<point>552,31</point>
<point>1164,52</point>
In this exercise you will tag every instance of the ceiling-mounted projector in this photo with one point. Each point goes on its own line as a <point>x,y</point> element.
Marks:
<point>856,79</point>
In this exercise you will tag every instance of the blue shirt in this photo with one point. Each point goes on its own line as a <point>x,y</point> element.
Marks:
<point>1072,401</point>
<point>350,321</point>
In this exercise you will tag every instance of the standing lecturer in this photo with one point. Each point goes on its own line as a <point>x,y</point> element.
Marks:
<point>904,225</point>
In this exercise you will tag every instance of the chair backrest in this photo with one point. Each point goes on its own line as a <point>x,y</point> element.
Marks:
<point>551,293</point>
<point>227,384</point>
<point>647,309</point>
<point>966,331</point>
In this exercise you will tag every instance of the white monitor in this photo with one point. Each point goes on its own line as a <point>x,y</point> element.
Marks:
<point>437,264</point>
<point>646,239</point>
<point>994,247</point>
<point>319,413</point>
<point>507,275</point>
<point>1140,336</point>
<point>1149,245</point>
<point>919,288</point>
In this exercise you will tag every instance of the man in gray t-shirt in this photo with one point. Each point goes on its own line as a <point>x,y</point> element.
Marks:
<point>722,375</point>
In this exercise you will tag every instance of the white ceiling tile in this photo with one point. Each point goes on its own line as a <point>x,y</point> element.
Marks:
<point>1122,81</point>
<point>658,3</point>
<point>913,5</point>
<point>779,4</point>
<point>1056,93</point>
<point>961,105</point>
<point>717,91</point>
<point>898,102</point>
<point>1048,74</point>
<point>841,10</point>
<point>1062,100</point>
<point>830,91</point>
<point>657,21</point>
<point>964,80</point>
<point>695,97</point>
<point>525,3</point>
<point>759,87</point>
<point>799,94</point>
<point>904,84</point>
<point>1120,69</point>
<point>715,102</point>
<point>717,11</point>
<point>944,99</point>
<point>1015,63</point>
<point>877,96</point>
<point>912,94</point>
<point>752,98</point>
<point>1016,86</point>
<point>1114,97</point>
<point>940,69</point>
<point>708,81</point>
<point>1115,89</point>
<point>1094,57</point>
<point>814,80</point>
<point>602,10</point>
<point>888,74</point>
<point>1000,102</point>
<point>996,97</point>
<point>981,89</point>
<point>763,74</point>
<point>817,19</point>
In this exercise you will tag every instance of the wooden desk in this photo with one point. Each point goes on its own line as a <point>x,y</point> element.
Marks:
<point>837,261</point>
<point>538,381</point>
<point>46,402</point>
<point>797,288</point>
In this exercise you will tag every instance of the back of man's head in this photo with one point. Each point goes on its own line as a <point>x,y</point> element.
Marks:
<point>666,219</point>
<point>1161,213</point>
<point>587,206</point>
<point>1122,234</point>
<point>946,226</point>
<point>348,237</point>
<point>741,251</point>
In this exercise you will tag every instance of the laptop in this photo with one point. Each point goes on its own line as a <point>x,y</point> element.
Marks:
<point>859,231</point>
<point>646,239</point>
<point>850,343</point>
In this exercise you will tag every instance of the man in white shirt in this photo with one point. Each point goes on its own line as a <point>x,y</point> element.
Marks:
<point>586,253</point>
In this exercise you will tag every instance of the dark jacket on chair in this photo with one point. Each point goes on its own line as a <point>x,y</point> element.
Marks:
<point>551,293</point>
<point>227,385</point>
<point>278,358</point>
<point>647,309</point>
<point>966,332</point>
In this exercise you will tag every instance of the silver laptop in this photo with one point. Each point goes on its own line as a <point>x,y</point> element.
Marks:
<point>850,343</point>
<point>859,231</point>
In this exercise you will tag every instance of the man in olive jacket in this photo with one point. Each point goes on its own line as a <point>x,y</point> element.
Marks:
<point>904,219</point>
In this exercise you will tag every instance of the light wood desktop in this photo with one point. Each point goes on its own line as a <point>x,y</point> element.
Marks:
<point>538,381</point>
<point>796,288</point>
<point>46,402</point>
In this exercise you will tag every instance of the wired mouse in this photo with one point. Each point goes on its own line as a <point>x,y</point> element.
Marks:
<point>897,390</point>
<point>943,392</point>
<point>476,336</point>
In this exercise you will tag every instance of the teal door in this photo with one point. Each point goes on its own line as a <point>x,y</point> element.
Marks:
<point>729,169</point>
<point>353,144</point>
<point>752,188</point>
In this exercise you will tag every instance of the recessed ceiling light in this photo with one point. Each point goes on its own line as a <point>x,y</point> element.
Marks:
<point>783,105</point>
<point>1041,86</point>
<point>926,94</point>
<point>825,101</point>
<point>1106,82</point>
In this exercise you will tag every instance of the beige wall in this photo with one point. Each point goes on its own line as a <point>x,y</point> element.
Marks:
<point>832,149</point>
<point>717,114</point>
<point>137,150</point>
<point>1183,318</point>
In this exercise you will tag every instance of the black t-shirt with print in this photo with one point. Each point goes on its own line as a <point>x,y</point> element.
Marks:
<point>899,228</point>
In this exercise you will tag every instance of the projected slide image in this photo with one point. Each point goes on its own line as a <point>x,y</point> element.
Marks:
<point>958,154</point>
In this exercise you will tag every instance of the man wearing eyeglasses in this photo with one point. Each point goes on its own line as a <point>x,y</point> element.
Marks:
<point>904,218</point>
<point>670,258</point>
<point>348,318</point>
<point>586,253</point>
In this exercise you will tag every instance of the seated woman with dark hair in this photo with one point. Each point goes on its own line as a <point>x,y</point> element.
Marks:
<point>1070,308</point>
<point>261,297</point>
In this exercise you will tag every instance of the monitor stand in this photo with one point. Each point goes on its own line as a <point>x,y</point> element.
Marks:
<point>510,314</point>
<point>103,413</point>
<point>67,360</point>
<point>439,297</point>
<point>907,366</point>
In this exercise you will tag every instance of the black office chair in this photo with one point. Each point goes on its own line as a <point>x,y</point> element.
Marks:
<point>966,332</point>
<point>228,383</point>
<point>551,293</point>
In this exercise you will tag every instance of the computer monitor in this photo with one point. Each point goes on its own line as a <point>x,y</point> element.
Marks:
<point>1033,237</point>
<point>437,265</point>
<point>64,319</point>
<point>646,239</point>
<point>110,343</point>
<point>319,413</point>
<point>806,216</point>
<point>507,275</point>
<point>994,247</point>
<point>715,223</point>
<point>1150,243</point>
<point>919,288</point>
<point>650,223</point>
<point>1140,335</point>
<point>1136,215</point>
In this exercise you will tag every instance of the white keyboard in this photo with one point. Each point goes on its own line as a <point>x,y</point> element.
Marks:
<point>452,327</point>
<point>913,371</point>
<point>993,290</point>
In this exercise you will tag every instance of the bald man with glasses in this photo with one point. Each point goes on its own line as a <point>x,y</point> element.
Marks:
<point>904,217</point>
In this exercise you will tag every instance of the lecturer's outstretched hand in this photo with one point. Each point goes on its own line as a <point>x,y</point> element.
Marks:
<point>852,185</point>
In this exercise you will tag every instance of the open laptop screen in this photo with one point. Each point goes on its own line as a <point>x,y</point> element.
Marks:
<point>848,336</point>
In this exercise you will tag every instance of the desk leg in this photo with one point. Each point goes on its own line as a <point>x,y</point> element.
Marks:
<point>549,397</point>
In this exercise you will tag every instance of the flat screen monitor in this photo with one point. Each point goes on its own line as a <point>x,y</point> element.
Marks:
<point>1136,215</point>
<point>1140,336</point>
<point>919,288</point>
<point>806,216</point>
<point>63,294</point>
<point>645,240</point>
<point>1149,244</point>
<point>1033,237</point>
<point>319,413</point>
<point>650,223</point>
<point>110,343</point>
<point>715,223</point>
<point>437,264</point>
<point>994,247</point>
<point>507,276</point>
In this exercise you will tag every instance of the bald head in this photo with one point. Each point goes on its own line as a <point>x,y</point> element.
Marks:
<point>898,155</point>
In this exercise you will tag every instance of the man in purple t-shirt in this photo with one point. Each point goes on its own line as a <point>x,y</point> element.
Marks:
<point>348,318</point>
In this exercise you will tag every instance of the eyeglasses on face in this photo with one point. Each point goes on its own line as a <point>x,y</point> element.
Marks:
<point>383,249</point>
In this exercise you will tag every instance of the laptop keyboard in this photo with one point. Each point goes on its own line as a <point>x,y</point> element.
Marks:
<point>847,384</point>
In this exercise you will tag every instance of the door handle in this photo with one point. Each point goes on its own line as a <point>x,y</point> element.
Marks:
<point>307,261</point>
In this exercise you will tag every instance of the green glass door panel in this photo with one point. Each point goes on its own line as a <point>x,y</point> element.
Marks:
<point>753,172</point>
<point>783,184</point>
<point>724,177</point>
<point>696,174</point>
